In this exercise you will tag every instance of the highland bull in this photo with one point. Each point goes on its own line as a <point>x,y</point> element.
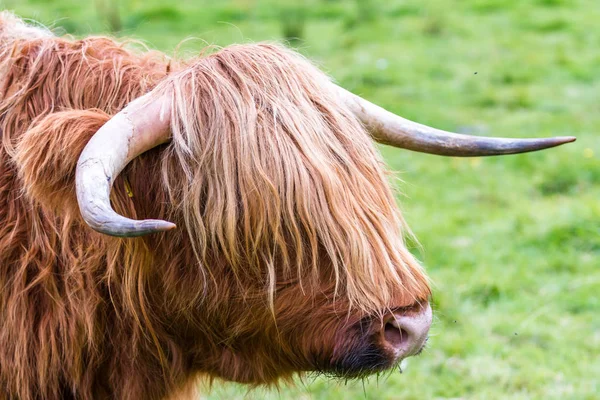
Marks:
<point>285,253</point>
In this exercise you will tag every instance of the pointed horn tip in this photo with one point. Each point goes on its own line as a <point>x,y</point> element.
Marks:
<point>164,225</point>
<point>559,140</point>
<point>170,226</point>
<point>566,139</point>
<point>153,226</point>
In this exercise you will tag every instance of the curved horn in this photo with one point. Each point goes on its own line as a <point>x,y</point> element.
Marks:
<point>396,131</point>
<point>140,126</point>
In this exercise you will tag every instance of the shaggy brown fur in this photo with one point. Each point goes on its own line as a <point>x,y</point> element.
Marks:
<point>289,236</point>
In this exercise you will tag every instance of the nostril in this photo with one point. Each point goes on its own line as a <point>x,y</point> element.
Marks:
<point>395,336</point>
<point>405,333</point>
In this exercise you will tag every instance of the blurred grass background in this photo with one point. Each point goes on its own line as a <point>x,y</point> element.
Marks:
<point>513,243</point>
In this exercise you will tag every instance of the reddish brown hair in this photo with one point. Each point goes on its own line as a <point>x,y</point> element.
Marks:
<point>290,225</point>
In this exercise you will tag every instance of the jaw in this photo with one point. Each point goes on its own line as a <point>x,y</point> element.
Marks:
<point>355,357</point>
<point>305,339</point>
<point>249,368</point>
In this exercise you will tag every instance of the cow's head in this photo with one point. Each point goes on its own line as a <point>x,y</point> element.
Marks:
<point>271,171</point>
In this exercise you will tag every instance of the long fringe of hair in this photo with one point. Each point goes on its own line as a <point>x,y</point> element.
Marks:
<point>279,176</point>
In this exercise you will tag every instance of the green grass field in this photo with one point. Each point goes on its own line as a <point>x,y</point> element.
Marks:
<point>512,244</point>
